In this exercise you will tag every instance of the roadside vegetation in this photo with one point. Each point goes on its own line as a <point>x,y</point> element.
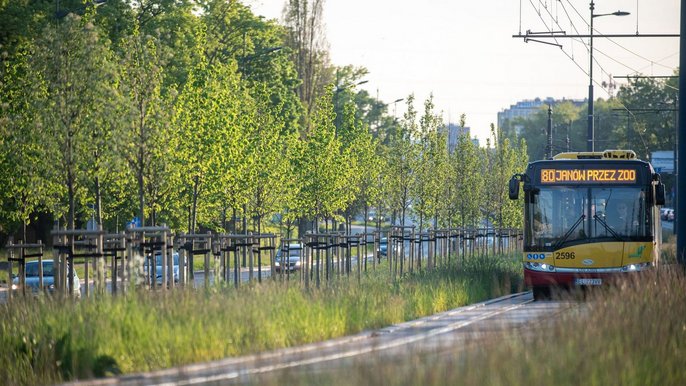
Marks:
<point>630,334</point>
<point>47,341</point>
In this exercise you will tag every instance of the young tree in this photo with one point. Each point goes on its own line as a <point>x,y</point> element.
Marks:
<point>75,70</point>
<point>26,177</point>
<point>466,183</point>
<point>208,123</point>
<point>145,135</point>
<point>402,159</point>
<point>428,187</point>
<point>320,168</point>
<point>268,172</point>
<point>502,162</point>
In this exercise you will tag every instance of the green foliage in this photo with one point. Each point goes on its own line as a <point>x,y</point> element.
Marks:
<point>650,124</point>
<point>73,67</point>
<point>402,158</point>
<point>208,123</point>
<point>321,167</point>
<point>503,161</point>
<point>145,135</point>
<point>466,184</point>
<point>269,172</point>
<point>235,33</point>
<point>202,115</point>
<point>24,163</point>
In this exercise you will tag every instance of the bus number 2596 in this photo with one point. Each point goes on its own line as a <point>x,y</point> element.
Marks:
<point>564,256</point>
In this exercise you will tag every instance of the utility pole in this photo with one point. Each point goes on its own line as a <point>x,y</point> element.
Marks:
<point>589,133</point>
<point>681,135</point>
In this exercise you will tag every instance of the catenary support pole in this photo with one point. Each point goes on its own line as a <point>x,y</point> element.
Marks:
<point>681,138</point>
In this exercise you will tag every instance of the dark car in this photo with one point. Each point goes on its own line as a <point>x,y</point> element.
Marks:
<point>288,258</point>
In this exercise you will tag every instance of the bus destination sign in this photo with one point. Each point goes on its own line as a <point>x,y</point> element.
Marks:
<point>588,176</point>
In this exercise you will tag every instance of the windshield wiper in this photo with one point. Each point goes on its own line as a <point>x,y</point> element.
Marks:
<point>604,224</point>
<point>569,232</point>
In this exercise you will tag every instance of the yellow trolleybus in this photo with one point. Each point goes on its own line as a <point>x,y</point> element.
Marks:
<point>588,217</point>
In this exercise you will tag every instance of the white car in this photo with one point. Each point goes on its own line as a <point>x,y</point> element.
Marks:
<point>294,252</point>
<point>33,278</point>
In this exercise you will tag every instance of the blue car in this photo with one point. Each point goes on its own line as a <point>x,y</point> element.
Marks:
<point>33,278</point>
<point>383,247</point>
<point>158,267</point>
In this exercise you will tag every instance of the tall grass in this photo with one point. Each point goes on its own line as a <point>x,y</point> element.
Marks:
<point>630,334</point>
<point>48,340</point>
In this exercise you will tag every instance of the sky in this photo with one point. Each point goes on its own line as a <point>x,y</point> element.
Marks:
<point>463,53</point>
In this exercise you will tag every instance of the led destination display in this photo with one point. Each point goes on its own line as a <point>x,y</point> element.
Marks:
<point>589,176</point>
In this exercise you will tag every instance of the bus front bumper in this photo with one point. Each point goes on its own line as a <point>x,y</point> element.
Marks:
<point>579,277</point>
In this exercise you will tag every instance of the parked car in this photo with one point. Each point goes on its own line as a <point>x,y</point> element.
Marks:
<point>383,247</point>
<point>158,267</point>
<point>289,258</point>
<point>671,215</point>
<point>33,278</point>
<point>663,213</point>
<point>373,217</point>
<point>667,214</point>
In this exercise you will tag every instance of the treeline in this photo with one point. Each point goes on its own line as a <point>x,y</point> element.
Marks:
<point>197,113</point>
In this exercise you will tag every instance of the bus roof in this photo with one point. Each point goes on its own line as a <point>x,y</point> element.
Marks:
<point>607,154</point>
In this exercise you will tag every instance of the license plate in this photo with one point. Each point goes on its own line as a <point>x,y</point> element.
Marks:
<point>588,281</point>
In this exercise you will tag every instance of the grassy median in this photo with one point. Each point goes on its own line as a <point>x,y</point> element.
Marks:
<point>631,334</point>
<point>47,340</point>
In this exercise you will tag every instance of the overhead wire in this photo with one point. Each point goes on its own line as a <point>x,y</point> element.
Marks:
<point>577,64</point>
<point>540,16</point>
<point>595,60</point>
<point>659,62</point>
<point>612,59</point>
<point>600,34</point>
<point>601,51</point>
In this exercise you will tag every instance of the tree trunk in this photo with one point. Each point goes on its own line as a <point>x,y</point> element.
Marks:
<point>98,201</point>
<point>194,208</point>
<point>141,196</point>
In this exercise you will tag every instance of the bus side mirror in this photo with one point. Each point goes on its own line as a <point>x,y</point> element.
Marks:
<point>660,194</point>
<point>514,188</point>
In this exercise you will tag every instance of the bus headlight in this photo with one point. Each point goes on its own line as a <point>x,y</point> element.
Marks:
<point>540,267</point>
<point>636,267</point>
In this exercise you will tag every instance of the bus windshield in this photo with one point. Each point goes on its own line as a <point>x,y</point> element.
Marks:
<point>563,215</point>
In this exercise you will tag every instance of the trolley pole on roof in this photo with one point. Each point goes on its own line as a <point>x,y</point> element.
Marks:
<point>681,147</point>
<point>549,146</point>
